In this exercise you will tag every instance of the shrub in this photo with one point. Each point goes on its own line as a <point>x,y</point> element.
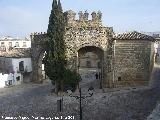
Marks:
<point>72,79</point>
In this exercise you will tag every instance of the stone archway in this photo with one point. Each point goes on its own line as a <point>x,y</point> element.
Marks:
<point>79,34</point>
<point>40,63</point>
<point>90,66</point>
<point>38,49</point>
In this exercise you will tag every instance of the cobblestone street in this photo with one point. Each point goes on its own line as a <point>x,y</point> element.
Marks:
<point>36,101</point>
<point>79,60</point>
<point>26,102</point>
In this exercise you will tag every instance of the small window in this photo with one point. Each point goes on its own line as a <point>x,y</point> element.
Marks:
<point>99,65</point>
<point>21,66</point>
<point>1,65</point>
<point>10,44</point>
<point>17,44</point>
<point>24,44</point>
<point>2,47</point>
<point>119,78</point>
<point>2,44</point>
<point>18,78</point>
<point>88,63</point>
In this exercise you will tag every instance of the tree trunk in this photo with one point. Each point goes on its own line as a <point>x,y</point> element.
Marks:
<point>56,87</point>
<point>62,86</point>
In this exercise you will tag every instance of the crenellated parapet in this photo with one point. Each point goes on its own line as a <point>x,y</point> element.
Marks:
<point>38,43</point>
<point>70,16</point>
<point>38,37</point>
<point>85,31</point>
<point>83,20</point>
<point>97,16</point>
<point>38,48</point>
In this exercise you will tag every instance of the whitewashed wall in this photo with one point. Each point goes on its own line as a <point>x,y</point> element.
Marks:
<point>6,43</point>
<point>16,82</point>
<point>155,46</point>
<point>14,62</point>
<point>10,77</point>
<point>157,51</point>
<point>27,63</point>
<point>3,78</point>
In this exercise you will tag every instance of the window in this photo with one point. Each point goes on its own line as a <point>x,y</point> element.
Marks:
<point>21,66</point>
<point>2,44</point>
<point>1,66</point>
<point>18,78</point>
<point>99,65</point>
<point>119,78</point>
<point>24,44</point>
<point>88,63</point>
<point>10,44</point>
<point>2,47</point>
<point>17,44</point>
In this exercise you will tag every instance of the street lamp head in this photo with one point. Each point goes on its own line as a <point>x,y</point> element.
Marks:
<point>69,92</point>
<point>90,90</point>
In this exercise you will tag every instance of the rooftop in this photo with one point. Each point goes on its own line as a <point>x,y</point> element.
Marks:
<point>133,36</point>
<point>16,53</point>
<point>9,38</point>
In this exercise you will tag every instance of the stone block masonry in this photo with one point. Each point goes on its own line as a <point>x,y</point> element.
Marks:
<point>126,59</point>
<point>132,61</point>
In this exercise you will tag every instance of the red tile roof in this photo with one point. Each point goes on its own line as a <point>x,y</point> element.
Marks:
<point>133,36</point>
<point>16,53</point>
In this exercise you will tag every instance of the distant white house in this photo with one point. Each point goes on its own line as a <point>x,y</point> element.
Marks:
<point>15,67</point>
<point>157,51</point>
<point>8,43</point>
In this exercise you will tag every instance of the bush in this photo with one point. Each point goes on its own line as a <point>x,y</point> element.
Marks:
<point>72,79</point>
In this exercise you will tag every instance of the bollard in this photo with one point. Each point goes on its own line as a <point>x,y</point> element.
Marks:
<point>60,105</point>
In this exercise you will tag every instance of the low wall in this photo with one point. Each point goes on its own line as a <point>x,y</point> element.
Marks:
<point>10,79</point>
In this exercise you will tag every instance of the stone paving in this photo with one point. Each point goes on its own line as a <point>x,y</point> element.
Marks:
<point>155,115</point>
<point>37,101</point>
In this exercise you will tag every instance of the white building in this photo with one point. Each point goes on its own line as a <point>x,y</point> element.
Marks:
<point>157,56</point>
<point>15,67</point>
<point>7,43</point>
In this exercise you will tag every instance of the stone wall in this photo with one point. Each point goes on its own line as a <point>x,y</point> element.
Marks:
<point>85,33</point>
<point>37,49</point>
<point>80,33</point>
<point>2,66</point>
<point>132,61</point>
<point>126,58</point>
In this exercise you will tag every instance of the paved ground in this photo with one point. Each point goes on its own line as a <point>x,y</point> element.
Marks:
<point>155,115</point>
<point>35,100</point>
<point>155,79</point>
<point>135,104</point>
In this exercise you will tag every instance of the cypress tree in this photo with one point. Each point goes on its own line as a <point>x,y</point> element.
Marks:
<point>55,53</point>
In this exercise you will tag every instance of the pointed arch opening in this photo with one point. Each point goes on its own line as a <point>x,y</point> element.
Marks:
<point>90,66</point>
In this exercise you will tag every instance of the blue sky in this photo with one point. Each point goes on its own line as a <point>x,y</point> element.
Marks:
<point>21,17</point>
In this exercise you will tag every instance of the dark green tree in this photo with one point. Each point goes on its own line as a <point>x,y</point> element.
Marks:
<point>54,61</point>
<point>55,53</point>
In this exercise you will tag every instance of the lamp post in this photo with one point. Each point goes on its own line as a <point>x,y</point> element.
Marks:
<point>80,97</point>
<point>80,104</point>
